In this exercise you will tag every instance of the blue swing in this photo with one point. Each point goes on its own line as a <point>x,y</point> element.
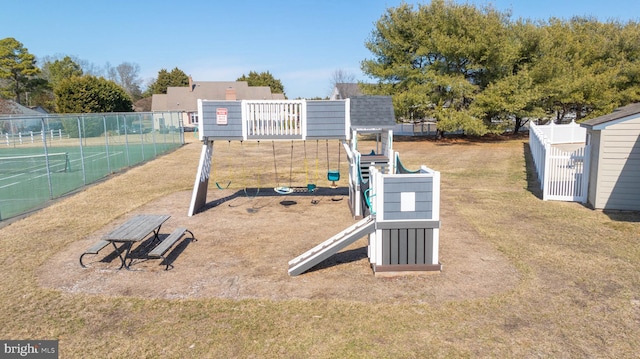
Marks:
<point>333,175</point>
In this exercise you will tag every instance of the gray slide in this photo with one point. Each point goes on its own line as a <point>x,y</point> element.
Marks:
<point>326,249</point>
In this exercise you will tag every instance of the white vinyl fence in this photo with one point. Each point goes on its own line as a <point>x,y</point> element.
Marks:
<point>561,159</point>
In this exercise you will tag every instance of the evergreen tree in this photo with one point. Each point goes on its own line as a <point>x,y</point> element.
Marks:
<point>17,67</point>
<point>263,79</point>
<point>165,79</point>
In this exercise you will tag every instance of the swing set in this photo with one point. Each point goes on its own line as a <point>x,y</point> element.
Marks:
<point>333,175</point>
<point>226,163</point>
<point>222,183</point>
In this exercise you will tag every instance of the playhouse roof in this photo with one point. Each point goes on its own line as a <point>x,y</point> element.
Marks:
<point>617,114</point>
<point>372,111</point>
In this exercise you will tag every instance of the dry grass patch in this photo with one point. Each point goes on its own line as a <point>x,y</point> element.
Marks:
<point>522,277</point>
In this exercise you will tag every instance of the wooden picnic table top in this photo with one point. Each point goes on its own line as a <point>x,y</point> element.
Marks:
<point>136,228</point>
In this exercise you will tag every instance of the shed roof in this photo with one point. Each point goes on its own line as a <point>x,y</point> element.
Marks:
<point>617,114</point>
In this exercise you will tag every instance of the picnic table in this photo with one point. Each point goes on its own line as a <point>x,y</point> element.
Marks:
<point>134,230</point>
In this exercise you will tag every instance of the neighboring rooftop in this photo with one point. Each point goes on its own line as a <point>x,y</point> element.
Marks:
<point>185,98</point>
<point>12,108</point>
<point>345,90</point>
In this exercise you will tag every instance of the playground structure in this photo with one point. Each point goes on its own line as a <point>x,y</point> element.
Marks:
<point>398,209</point>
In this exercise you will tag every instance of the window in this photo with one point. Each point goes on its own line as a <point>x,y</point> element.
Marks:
<point>193,118</point>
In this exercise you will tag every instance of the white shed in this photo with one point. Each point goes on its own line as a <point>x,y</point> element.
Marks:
<point>614,165</point>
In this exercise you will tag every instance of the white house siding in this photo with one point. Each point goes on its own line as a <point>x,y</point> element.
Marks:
<point>618,169</point>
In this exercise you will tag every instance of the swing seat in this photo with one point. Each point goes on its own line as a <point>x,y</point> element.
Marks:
<point>333,175</point>
<point>283,190</point>
<point>311,187</point>
<point>222,186</point>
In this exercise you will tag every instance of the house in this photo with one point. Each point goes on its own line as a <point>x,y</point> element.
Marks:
<point>185,99</point>
<point>29,119</point>
<point>614,165</point>
<point>39,109</point>
<point>14,109</point>
<point>345,90</point>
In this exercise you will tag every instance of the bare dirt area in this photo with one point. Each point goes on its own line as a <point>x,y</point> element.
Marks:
<point>244,244</point>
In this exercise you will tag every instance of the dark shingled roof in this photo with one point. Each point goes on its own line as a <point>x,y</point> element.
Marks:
<point>620,112</point>
<point>372,112</point>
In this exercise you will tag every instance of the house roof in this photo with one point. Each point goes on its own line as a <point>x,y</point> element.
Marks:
<point>10,107</point>
<point>345,90</point>
<point>185,98</point>
<point>617,114</point>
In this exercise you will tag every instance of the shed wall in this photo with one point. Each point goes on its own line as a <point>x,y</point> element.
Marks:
<point>618,169</point>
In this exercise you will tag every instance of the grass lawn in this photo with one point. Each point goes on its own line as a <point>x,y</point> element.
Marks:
<point>578,293</point>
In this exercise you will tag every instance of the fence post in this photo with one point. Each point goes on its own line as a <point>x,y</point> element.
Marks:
<point>153,138</point>
<point>84,172</point>
<point>141,137</point>
<point>46,160</point>
<point>106,142</point>
<point>126,138</point>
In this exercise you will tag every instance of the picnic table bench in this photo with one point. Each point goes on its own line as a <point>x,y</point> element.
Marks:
<point>135,230</point>
<point>163,247</point>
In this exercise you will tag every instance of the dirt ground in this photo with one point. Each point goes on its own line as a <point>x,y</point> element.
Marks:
<point>244,244</point>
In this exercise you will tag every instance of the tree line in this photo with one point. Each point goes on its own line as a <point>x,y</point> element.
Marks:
<point>66,84</point>
<point>477,70</point>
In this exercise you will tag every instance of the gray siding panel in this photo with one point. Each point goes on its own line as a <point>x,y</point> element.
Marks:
<point>420,244</point>
<point>428,247</point>
<point>393,244</point>
<point>420,185</point>
<point>407,246</point>
<point>326,119</point>
<point>386,246</point>
<point>411,246</point>
<point>403,246</point>
<point>232,130</point>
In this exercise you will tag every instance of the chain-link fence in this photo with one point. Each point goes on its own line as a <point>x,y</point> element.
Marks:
<point>42,158</point>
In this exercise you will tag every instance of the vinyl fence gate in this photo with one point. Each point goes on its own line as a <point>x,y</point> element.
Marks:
<point>561,159</point>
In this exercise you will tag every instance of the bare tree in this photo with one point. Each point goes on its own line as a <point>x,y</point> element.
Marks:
<point>345,82</point>
<point>127,76</point>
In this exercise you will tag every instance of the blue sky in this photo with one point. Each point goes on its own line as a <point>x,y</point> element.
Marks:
<point>300,42</point>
